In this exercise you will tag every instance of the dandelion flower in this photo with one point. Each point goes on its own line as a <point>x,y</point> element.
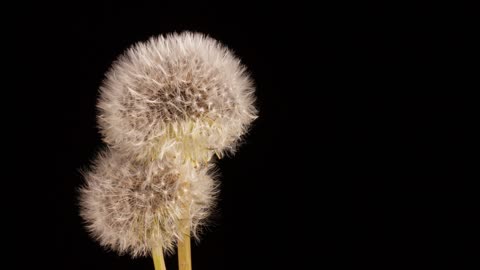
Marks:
<point>182,92</point>
<point>132,206</point>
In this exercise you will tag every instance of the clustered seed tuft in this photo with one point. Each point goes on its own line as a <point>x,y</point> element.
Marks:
<point>166,107</point>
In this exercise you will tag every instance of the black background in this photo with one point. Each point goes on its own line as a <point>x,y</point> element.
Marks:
<point>356,160</point>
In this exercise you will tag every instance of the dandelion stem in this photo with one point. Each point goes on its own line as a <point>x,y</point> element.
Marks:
<point>184,253</point>
<point>158,261</point>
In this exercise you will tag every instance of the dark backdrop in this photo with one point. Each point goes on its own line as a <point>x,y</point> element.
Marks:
<point>355,161</point>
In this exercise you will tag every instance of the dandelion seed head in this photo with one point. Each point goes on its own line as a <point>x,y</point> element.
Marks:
<point>175,91</point>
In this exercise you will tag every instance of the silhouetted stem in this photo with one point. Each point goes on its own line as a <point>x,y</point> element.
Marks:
<point>184,253</point>
<point>158,261</point>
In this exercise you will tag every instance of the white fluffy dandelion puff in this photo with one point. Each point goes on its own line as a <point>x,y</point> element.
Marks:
<point>132,206</point>
<point>166,106</point>
<point>185,86</point>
